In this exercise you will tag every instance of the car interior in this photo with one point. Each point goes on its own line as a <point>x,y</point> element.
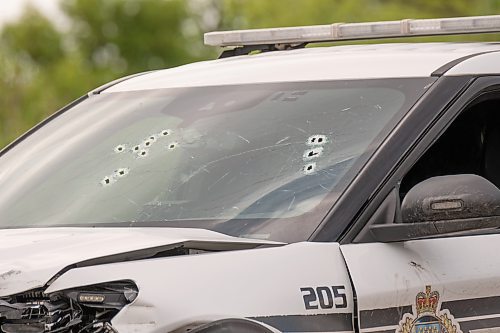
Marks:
<point>471,145</point>
<point>468,148</point>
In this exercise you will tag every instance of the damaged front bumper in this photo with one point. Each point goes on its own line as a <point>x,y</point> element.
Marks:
<point>87,309</point>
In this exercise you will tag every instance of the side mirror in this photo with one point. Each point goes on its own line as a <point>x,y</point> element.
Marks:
<point>444,205</point>
<point>451,198</point>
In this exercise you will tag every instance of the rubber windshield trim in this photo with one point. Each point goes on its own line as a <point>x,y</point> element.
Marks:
<point>108,85</point>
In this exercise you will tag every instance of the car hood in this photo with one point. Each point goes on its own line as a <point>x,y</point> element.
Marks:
<point>33,257</point>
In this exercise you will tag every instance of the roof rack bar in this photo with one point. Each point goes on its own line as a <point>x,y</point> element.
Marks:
<point>355,31</point>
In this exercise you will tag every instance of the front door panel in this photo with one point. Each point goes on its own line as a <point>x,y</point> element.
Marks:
<point>446,285</point>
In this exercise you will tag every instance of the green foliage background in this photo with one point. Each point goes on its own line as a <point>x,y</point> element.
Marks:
<point>43,68</point>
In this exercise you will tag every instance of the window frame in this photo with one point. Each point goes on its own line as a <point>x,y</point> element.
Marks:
<point>477,88</point>
<point>424,124</point>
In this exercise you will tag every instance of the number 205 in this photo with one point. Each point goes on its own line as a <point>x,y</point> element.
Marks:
<point>324,297</point>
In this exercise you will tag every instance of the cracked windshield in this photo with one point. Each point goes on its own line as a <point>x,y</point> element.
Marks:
<point>249,160</point>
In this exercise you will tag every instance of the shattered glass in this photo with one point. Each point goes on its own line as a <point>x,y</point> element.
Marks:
<point>262,160</point>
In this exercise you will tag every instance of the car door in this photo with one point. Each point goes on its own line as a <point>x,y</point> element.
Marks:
<point>445,285</point>
<point>444,282</point>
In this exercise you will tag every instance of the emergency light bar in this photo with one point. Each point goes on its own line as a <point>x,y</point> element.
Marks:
<point>355,31</point>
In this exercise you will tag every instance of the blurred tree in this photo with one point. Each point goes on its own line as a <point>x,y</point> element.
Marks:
<point>12,93</point>
<point>34,36</point>
<point>26,46</point>
<point>130,35</point>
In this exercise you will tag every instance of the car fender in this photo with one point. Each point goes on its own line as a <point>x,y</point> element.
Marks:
<point>288,288</point>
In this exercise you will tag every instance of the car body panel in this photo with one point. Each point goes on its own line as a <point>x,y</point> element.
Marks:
<point>483,64</point>
<point>462,270</point>
<point>38,254</point>
<point>312,64</point>
<point>262,284</point>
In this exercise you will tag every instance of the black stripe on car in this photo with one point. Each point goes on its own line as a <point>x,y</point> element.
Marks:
<point>469,308</point>
<point>332,322</point>
<point>383,317</point>
<point>473,307</point>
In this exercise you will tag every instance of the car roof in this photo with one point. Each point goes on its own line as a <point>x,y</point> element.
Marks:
<point>369,61</point>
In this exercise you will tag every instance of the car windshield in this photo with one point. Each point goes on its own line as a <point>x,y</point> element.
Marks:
<point>260,161</point>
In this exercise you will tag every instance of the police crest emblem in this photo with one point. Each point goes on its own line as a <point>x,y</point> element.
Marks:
<point>427,317</point>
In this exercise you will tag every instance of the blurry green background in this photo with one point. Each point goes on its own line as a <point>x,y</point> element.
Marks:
<point>42,68</point>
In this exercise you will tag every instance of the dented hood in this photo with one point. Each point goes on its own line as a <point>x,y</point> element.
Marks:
<point>30,258</point>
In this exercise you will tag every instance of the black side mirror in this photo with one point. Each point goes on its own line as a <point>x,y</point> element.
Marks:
<point>444,205</point>
<point>451,198</point>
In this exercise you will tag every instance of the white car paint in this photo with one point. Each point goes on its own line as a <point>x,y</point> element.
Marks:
<point>483,64</point>
<point>31,257</point>
<point>176,291</point>
<point>459,268</point>
<point>310,64</point>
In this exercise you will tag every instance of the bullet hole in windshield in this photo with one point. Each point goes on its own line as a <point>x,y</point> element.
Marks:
<point>309,168</point>
<point>152,138</point>
<point>122,172</point>
<point>316,140</point>
<point>119,149</point>
<point>136,148</point>
<point>143,153</point>
<point>165,132</point>
<point>172,145</point>
<point>118,173</point>
<point>106,181</point>
<point>313,153</point>
<point>148,143</point>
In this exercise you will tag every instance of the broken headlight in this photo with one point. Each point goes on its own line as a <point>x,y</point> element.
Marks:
<point>80,310</point>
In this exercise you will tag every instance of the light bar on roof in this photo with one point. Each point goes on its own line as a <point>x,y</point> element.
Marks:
<point>354,31</point>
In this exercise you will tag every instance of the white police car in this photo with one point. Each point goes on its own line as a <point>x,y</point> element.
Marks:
<point>336,189</point>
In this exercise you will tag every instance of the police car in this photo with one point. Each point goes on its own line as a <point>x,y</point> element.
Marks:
<point>343,189</point>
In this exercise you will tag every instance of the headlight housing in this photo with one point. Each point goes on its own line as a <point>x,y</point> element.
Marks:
<point>87,309</point>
